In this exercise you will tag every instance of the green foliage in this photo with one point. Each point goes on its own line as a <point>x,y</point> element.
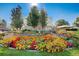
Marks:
<point>14,52</point>
<point>77,32</point>
<point>16,16</point>
<point>76,22</point>
<point>33,17</point>
<point>29,20</point>
<point>43,18</point>
<point>75,40</point>
<point>24,30</point>
<point>61,22</point>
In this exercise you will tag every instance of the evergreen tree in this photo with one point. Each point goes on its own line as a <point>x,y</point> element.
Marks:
<point>16,15</point>
<point>33,17</point>
<point>43,18</point>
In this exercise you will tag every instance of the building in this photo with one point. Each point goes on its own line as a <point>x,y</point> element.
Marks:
<point>67,28</point>
<point>2,26</point>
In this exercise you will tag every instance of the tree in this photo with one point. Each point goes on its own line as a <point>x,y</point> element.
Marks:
<point>4,22</point>
<point>29,20</point>
<point>61,22</point>
<point>43,18</point>
<point>33,17</point>
<point>76,22</point>
<point>16,15</point>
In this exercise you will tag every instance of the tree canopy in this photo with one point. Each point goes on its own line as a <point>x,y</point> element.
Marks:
<point>76,22</point>
<point>33,18</point>
<point>61,22</point>
<point>43,18</point>
<point>37,17</point>
<point>16,17</point>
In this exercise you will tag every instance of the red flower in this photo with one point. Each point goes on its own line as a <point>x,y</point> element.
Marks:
<point>18,38</point>
<point>32,46</point>
<point>69,44</point>
<point>13,43</point>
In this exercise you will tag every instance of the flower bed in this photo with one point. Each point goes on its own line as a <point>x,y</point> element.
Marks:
<point>49,43</point>
<point>72,37</point>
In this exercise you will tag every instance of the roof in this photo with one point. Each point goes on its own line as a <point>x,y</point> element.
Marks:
<point>66,26</point>
<point>63,26</point>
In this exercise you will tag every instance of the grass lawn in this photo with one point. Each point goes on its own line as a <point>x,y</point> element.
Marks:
<point>13,52</point>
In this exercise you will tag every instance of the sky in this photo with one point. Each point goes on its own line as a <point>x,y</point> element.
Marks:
<point>56,11</point>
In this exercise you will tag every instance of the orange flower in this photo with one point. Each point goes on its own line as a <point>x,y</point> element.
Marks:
<point>48,36</point>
